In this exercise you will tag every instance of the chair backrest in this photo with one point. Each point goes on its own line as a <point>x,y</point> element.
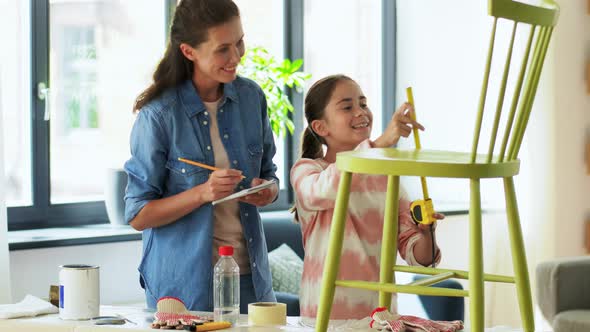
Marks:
<point>540,20</point>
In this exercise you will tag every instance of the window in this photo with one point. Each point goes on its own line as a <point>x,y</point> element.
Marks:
<point>356,50</point>
<point>68,112</point>
<point>15,99</point>
<point>448,111</point>
<point>92,58</point>
<point>270,34</point>
<point>96,72</point>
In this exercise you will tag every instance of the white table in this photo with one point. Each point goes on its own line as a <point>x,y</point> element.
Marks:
<point>143,319</point>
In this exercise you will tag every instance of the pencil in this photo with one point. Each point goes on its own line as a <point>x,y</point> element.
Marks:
<point>410,96</point>
<point>213,326</point>
<point>194,163</point>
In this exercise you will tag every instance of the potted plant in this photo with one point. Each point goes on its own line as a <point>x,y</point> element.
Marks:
<point>273,76</point>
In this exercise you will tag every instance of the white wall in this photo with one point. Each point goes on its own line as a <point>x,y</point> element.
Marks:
<point>33,271</point>
<point>571,128</point>
<point>4,264</point>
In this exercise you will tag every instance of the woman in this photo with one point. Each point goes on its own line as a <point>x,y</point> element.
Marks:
<point>199,109</point>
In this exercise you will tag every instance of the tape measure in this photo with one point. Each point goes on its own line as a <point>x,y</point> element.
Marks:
<point>422,211</point>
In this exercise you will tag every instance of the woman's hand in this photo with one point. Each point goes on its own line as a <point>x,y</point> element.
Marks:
<point>263,197</point>
<point>401,124</point>
<point>220,184</point>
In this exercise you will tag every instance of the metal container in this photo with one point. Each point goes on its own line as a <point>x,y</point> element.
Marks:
<point>79,291</point>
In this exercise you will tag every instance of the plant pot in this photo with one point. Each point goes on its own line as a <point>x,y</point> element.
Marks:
<point>114,195</point>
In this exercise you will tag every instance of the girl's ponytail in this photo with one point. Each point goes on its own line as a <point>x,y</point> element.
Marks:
<point>311,146</point>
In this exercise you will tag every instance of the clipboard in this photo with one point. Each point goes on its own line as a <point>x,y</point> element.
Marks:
<point>245,192</point>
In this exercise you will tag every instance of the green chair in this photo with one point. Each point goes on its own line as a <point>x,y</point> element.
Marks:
<point>539,22</point>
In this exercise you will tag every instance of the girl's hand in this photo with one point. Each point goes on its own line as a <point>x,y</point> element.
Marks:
<point>220,184</point>
<point>437,216</point>
<point>263,197</point>
<point>401,124</point>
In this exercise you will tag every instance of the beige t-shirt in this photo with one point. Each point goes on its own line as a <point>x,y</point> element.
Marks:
<point>227,228</point>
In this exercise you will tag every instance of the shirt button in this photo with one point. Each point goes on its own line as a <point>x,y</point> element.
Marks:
<point>254,264</point>
<point>235,162</point>
<point>206,113</point>
<point>246,214</point>
<point>208,147</point>
<point>226,136</point>
<point>183,170</point>
<point>221,110</point>
<point>242,187</point>
<point>205,123</point>
<point>250,240</point>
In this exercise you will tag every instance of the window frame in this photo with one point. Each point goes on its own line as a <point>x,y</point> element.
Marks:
<point>388,21</point>
<point>41,213</point>
<point>293,49</point>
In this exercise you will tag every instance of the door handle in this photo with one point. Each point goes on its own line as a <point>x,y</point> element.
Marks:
<point>43,94</point>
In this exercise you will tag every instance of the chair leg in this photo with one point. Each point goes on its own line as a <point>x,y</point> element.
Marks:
<point>332,262</point>
<point>389,244</point>
<point>521,274</point>
<point>476,281</point>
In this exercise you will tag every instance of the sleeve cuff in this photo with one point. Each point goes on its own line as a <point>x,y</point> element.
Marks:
<point>132,209</point>
<point>411,259</point>
<point>364,145</point>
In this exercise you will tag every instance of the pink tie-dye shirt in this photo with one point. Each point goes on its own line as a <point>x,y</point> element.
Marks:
<point>316,183</point>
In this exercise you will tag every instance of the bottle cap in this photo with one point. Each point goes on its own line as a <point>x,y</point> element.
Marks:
<point>226,251</point>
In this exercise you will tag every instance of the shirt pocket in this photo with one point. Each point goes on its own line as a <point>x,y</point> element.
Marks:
<point>255,158</point>
<point>183,176</point>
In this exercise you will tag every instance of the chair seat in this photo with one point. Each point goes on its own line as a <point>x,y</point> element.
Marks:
<point>428,163</point>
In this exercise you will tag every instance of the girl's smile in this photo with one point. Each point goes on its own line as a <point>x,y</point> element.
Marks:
<point>363,124</point>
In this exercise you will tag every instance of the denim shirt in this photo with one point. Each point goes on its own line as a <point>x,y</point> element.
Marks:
<point>177,257</point>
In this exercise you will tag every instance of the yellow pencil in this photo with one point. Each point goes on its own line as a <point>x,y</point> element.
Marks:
<point>213,326</point>
<point>410,96</point>
<point>194,163</point>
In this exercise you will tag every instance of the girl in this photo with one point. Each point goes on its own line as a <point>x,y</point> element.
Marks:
<point>198,108</point>
<point>338,117</point>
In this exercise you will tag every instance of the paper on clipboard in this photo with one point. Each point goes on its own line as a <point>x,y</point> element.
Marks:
<point>245,192</point>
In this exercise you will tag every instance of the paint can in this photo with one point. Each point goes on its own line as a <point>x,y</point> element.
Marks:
<point>79,291</point>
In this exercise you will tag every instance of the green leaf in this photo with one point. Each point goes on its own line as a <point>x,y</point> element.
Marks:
<point>296,65</point>
<point>262,67</point>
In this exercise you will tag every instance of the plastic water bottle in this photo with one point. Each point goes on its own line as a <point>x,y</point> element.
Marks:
<point>226,287</point>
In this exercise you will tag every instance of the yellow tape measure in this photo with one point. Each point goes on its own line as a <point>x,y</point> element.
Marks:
<point>422,211</point>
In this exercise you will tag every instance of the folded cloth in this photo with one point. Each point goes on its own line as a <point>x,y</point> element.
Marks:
<point>383,319</point>
<point>30,306</point>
